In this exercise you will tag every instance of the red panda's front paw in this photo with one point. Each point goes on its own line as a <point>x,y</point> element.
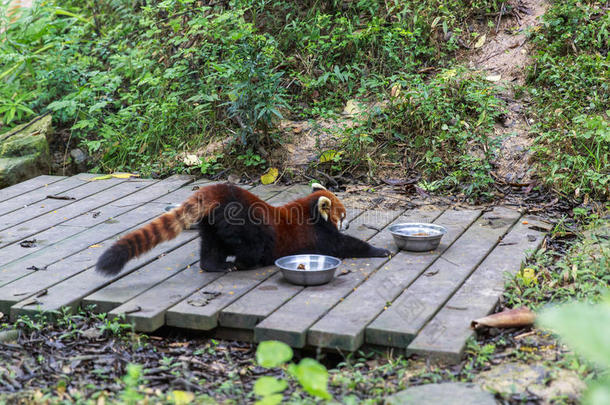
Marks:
<point>377,252</point>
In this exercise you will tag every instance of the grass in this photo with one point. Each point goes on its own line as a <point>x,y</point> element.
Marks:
<point>582,272</point>
<point>569,83</point>
<point>140,86</point>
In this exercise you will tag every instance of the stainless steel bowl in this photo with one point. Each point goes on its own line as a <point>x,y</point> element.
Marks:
<point>172,206</point>
<point>417,237</point>
<point>308,269</point>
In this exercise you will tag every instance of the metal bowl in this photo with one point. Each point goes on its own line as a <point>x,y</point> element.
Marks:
<point>417,237</point>
<point>172,206</point>
<point>308,269</point>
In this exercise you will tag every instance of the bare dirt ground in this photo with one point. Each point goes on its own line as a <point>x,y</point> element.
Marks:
<point>504,58</point>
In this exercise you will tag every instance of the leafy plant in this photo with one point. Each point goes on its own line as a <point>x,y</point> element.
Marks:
<point>132,381</point>
<point>569,86</point>
<point>441,127</point>
<point>585,328</point>
<point>310,374</point>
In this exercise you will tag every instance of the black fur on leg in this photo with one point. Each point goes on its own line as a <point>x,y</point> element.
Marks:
<point>377,252</point>
<point>112,260</point>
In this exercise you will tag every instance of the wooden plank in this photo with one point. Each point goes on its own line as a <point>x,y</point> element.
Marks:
<point>398,325</point>
<point>145,311</point>
<point>63,269</point>
<point>274,292</point>
<point>106,193</point>
<point>134,284</point>
<point>291,321</point>
<point>225,290</point>
<point>87,237</point>
<point>69,292</point>
<point>56,232</point>
<point>51,205</point>
<point>343,327</point>
<point>257,304</point>
<point>27,186</point>
<point>445,336</point>
<point>267,192</point>
<point>176,188</point>
<point>34,196</point>
<point>290,194</point>
<point>62,287</point>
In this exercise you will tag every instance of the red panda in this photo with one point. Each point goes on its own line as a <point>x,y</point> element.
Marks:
<point>234,223</point>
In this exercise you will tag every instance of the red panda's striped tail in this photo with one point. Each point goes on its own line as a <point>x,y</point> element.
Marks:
<point>161,229</point>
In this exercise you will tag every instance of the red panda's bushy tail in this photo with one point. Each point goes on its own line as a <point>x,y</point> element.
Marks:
<point>161,229</point>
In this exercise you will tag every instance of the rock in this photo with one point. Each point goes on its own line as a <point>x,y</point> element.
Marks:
<point>445,393</point>
<point>78,155</point>
<point>92,333</point>
<point>512,378</point>
<point>24,151</point>
<point>80,158</point>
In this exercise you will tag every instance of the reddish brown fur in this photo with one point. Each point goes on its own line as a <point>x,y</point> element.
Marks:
<point>287,221</point>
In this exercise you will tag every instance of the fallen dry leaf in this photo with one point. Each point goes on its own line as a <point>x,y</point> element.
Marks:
<point>270,176</point>
<point>512,318</point>
<point>480,42</point>
<point>191,160</point>
<point>351,108</point>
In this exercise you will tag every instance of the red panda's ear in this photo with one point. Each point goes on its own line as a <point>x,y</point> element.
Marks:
<point>317,187</point>
<point>324,207</point>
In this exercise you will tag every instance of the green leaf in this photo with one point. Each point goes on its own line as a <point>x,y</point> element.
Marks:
<point>97,106</point>
<point>272,353</point>
<point>67,13</point>
<point>329,156</point>
<point>598,393</point>
<point>182,397</point>
<point>583,327</point>
<point>312,376</point>
<point>270,400</point>
<point>266,386</point>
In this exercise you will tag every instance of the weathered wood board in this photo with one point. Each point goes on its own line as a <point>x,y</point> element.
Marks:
<point>343,327</point>
<point>70,292</point>
<point>445,336</point>
<point>421,302</point>
<point>105,194</point>
<point>27,186</point>
<point>50,251</point>
<point>17,206</point>
<point>398,325</point>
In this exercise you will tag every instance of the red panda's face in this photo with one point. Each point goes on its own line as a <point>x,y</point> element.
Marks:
<point>329,206</point>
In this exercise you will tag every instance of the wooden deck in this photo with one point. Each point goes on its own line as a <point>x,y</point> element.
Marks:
<point>421,302</point>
